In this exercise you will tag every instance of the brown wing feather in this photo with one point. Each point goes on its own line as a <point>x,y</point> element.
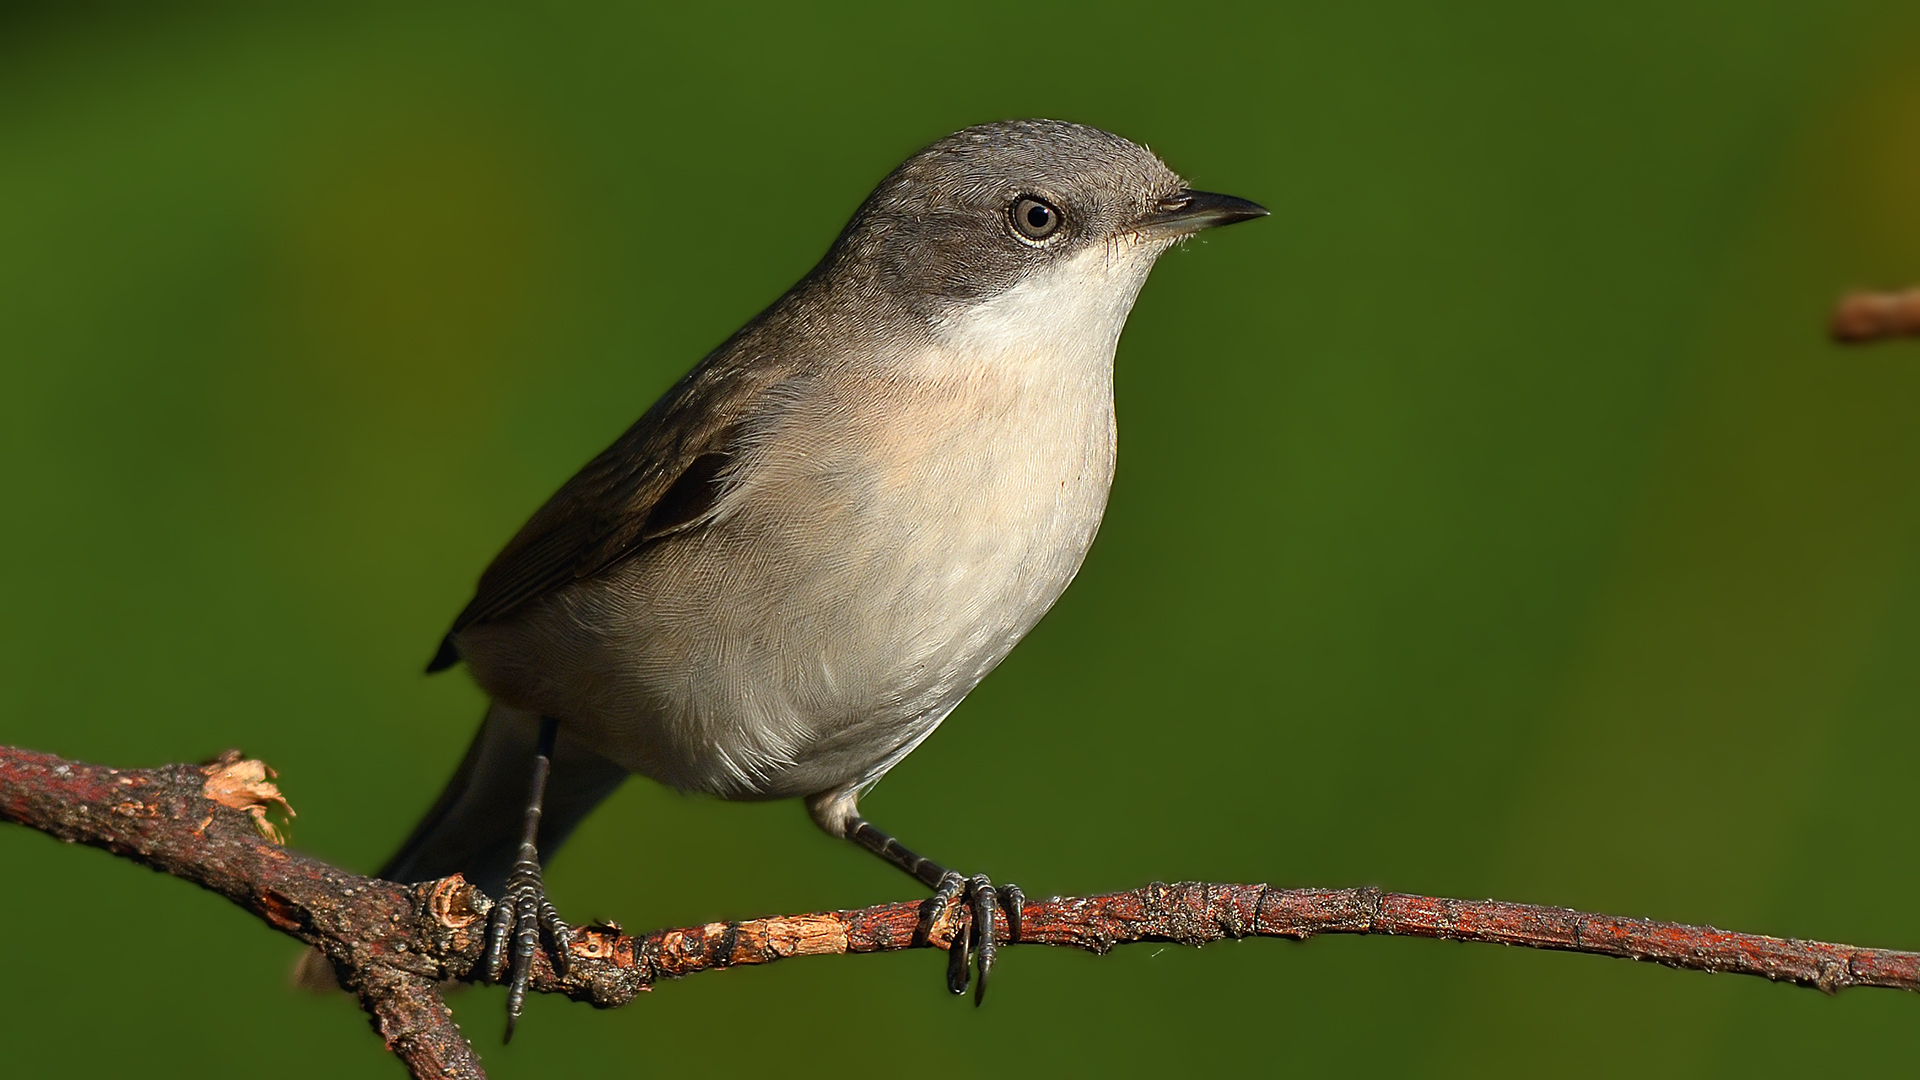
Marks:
<point>662,476</point>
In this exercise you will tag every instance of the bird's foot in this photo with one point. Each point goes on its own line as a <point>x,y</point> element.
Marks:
<point>982,906</point>
<point>513,933</point>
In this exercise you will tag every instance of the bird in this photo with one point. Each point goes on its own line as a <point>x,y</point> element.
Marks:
<point>782,578</point>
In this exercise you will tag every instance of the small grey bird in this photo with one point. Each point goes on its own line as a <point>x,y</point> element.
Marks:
<point>783,577</point>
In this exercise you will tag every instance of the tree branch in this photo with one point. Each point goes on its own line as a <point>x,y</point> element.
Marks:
<point>1865,317</point>
<point>390,944</point>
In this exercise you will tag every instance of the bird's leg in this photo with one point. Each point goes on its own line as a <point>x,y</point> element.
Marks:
<point>524,911</point>
<point>984,903</point>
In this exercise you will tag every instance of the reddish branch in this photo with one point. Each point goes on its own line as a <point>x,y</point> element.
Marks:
<point>390,944</point>
<point>1867,317</point>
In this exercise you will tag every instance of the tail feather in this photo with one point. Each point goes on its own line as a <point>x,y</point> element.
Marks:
<point>474,827</point>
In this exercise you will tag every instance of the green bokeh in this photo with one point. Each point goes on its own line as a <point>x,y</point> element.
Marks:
<point>1492,520</point>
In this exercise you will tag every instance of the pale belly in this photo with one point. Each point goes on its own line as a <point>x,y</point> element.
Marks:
<point>839,607</point>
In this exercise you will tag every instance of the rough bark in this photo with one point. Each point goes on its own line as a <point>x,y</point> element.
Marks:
<point>391,944</point>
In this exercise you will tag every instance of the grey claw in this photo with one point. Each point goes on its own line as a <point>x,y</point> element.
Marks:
<point>1014,903</point>
<point>958,965</point>
<point>951,885</point>
<point>986,906</point>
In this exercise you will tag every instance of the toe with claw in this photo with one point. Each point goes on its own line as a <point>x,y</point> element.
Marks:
<point>973,945</point>
<point>981,906</point>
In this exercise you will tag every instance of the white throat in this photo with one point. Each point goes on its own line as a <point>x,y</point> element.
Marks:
<point>1062,319</point>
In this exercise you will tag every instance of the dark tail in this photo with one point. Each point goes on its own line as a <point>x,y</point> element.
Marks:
<point>474,827</point>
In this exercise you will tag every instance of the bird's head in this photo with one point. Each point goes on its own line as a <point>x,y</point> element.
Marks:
<point>1068,216</point>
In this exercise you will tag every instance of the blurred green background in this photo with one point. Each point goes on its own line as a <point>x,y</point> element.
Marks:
<point>1492,521</point>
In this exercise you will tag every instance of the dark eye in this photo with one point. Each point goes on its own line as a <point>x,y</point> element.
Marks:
<point>1036,219</point>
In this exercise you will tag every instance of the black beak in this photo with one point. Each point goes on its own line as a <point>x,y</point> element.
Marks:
<point>1190,211</point>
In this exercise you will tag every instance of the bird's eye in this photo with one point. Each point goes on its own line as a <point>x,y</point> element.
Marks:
<point>1034,218</point>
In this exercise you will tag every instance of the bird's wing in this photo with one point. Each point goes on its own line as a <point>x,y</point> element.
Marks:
<point>663,476</point>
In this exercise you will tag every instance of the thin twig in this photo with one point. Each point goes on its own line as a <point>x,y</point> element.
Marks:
<point>1864,317</point>
<point>390,944</point>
